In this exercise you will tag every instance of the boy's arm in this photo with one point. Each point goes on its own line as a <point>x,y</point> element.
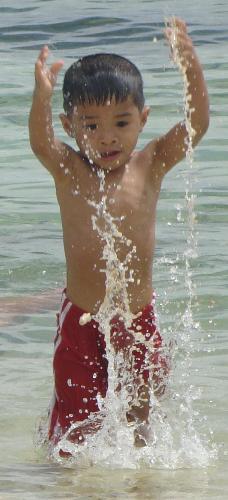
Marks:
<point>50,151</point>
<point>171,148</point>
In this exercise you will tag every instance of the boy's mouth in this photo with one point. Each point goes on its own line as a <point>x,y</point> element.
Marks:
<point>109,155</point>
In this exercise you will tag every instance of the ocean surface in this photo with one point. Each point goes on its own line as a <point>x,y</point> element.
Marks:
<point>32,269</point>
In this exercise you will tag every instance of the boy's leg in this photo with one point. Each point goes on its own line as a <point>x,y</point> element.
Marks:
<point>138,415</point>
<point>147,365</point>
<point>80,371</point>
<point>151,368</point>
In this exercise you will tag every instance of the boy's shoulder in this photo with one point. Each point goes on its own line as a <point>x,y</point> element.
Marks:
<point>65,159</point>
<point>148,156</point>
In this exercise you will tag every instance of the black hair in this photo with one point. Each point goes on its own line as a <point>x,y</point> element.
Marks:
<point>100,77</point>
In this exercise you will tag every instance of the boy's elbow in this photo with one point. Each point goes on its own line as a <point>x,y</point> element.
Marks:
<point>206,122</point>
<point>201,128</point>
<point>204,127</point>
<point>206,114</point>
<point>39,149</point>
<point>36,147</point>
<point>37,141</point>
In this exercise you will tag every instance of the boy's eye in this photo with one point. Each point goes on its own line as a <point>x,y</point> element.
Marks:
<point>91,126</point>
<point>122,123</point>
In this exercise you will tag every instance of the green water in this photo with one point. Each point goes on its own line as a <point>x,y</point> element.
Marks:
<point>32,259</point>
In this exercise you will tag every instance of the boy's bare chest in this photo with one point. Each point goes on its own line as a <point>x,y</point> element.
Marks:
<point>122,198</point>
<point>122,208</point>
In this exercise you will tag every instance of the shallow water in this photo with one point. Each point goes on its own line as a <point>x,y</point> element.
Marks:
<point>32,258</point>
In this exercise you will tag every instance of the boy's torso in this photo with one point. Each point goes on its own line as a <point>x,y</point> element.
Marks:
<point>116,217</point>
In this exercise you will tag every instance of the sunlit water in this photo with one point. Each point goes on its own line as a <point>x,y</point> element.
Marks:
<point>191,292</point>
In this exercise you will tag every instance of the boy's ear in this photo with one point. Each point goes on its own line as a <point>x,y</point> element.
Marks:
<point>145,114</point>
<point>67,124</point>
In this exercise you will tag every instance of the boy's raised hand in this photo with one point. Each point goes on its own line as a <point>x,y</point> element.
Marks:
<point>172,146</point>
<point>182,50</point>
<point>50,151</point>
<point>45,76</point>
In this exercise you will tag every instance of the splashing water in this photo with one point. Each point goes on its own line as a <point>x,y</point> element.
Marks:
<point>174,441</point>
<point>198,447</point>
<point>191,247</point>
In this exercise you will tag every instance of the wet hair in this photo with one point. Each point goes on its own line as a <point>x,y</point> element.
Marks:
<point>97,78</point>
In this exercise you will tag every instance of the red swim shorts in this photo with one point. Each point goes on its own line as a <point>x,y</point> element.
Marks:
<point>81,367</point>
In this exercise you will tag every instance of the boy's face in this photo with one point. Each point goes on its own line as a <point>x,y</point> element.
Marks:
<point>106,134</point>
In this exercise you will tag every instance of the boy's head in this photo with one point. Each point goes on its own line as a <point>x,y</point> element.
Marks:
<point>104,108</point>
<point>95,79</point>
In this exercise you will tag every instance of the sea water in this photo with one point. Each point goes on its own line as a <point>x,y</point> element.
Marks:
<point>34,263</point>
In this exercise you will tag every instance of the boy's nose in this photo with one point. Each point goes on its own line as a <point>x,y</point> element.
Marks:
<point>107,138</point>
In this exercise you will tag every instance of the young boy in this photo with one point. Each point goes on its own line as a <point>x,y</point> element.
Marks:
<point>105,113</point>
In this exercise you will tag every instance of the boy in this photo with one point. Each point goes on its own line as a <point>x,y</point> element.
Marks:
<point>105,113</point>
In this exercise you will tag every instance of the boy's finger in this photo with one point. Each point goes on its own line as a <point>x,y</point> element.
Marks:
<point>168,33</point>
<point>43,55</point>
<point>56,67</point>
<point>177,22</point>
<point>38,68</point>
